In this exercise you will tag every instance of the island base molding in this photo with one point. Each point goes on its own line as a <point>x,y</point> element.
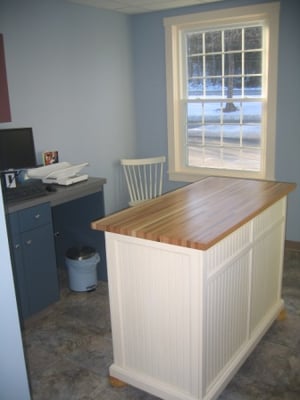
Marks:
<point>184,320</point>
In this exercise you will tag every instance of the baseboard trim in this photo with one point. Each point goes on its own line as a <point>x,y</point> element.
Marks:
<point>291,245</point>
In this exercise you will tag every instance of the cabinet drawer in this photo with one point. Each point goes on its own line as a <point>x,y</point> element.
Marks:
<point>33,217</point>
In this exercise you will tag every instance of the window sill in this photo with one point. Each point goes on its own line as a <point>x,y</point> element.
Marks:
<point>186,176</point>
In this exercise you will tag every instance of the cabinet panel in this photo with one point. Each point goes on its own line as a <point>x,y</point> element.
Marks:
<point>266,274</point>
<point>40,265</point>
<point>227,299</point>
<point>33,258</point>
<point>19,274</point>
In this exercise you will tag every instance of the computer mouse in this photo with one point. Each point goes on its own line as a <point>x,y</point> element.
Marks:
<point>51,188</point>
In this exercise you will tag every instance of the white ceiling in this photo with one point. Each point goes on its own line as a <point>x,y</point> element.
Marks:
<point>140,6</point>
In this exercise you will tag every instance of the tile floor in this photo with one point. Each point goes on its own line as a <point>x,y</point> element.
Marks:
<point>68,349</point>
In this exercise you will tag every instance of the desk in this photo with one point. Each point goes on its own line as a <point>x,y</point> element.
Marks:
<point>63,194</point>
<point>194,283</point>
<point>40,232</point>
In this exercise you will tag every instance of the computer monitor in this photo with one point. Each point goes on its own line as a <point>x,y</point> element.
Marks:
<point>17,149</point>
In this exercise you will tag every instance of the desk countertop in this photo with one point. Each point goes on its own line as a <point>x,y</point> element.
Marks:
<point>199,214</point>
<point>62,194</point>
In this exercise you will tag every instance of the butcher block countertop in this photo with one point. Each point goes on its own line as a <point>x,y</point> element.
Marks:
<point>198,215</point>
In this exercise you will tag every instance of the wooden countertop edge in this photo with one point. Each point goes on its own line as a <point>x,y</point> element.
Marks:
<point>109,224</point>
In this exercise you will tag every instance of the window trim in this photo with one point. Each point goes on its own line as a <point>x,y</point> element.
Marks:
<point>269,12</point>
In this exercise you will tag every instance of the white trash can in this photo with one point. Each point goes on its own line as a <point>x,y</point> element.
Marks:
<point>82,263</point>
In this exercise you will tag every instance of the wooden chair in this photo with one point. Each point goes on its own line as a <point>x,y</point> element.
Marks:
<point>144,178</point>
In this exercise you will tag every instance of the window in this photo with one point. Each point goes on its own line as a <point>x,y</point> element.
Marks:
<point>221,92</point>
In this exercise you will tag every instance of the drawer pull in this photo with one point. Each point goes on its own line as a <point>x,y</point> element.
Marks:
<point>17,246</point>
<point>37,216</point>
<point>29,242</point>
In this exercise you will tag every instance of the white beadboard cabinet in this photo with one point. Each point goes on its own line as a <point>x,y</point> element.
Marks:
<point>184,319</point>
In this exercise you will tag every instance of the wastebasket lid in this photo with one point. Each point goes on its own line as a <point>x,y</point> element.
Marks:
<point>80,253</point>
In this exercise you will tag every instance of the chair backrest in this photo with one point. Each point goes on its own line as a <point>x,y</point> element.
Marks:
<point>144,178</point>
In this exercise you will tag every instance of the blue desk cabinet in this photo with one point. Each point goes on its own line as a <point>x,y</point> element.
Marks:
<point>34,262</point>
<point>40,232</point>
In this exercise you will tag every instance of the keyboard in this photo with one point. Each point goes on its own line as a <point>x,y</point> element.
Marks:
<point>26,191</point>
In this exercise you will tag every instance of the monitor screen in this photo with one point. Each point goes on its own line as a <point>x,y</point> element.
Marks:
<point>17,149</point>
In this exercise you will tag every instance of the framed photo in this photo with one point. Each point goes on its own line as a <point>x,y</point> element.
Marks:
<point>50,157</point>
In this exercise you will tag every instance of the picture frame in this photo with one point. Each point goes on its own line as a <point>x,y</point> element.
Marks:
<point>50,157</point>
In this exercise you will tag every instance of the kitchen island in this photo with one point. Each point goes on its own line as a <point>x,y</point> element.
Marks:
<point>194,283</point>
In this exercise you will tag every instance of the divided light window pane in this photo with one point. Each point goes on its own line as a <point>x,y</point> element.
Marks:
<point>223,104</point>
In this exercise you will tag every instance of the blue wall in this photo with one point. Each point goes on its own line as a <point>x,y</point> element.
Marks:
<point>150,93</point>
<point>69,71</point>
<point>288,122</point>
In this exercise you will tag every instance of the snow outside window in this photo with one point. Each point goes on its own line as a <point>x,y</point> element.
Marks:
<point>221,91</point>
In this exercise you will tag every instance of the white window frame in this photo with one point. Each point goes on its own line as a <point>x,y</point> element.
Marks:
<point>174,26</point>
